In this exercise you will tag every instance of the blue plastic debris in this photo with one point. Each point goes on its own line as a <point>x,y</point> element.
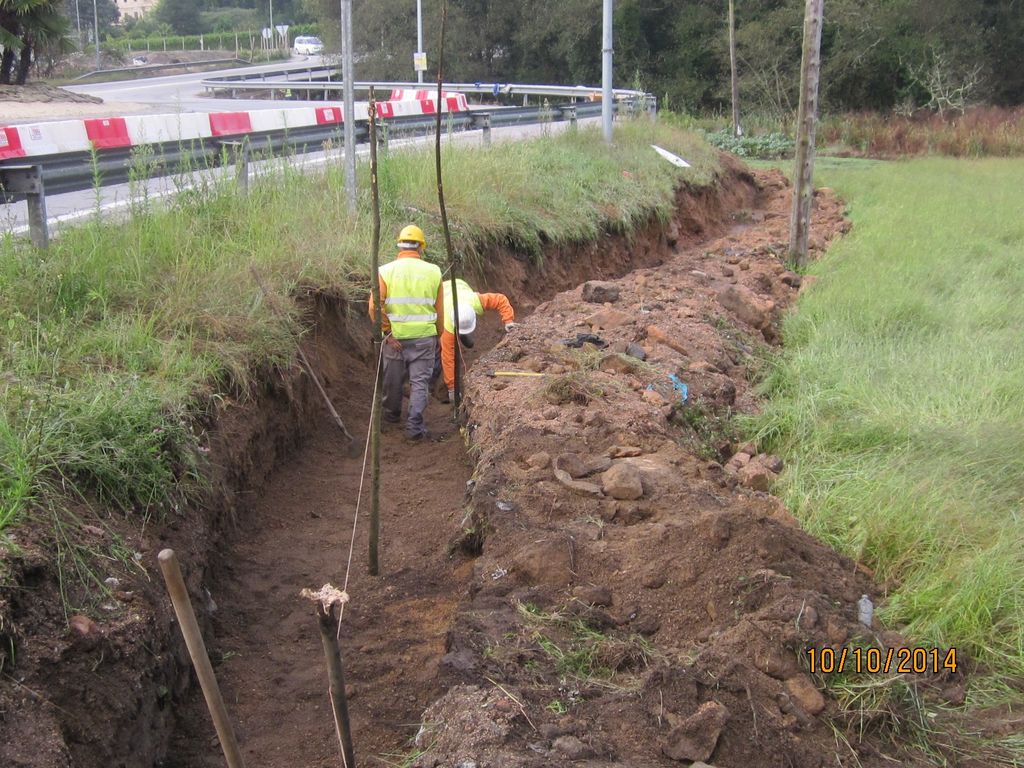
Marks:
<point>680,387</point>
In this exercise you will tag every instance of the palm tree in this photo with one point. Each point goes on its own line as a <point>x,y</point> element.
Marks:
<point>25,26</point>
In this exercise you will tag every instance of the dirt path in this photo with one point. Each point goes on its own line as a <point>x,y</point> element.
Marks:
<point>296,536</point>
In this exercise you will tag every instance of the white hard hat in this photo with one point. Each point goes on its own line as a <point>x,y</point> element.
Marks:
<point>467,319</point>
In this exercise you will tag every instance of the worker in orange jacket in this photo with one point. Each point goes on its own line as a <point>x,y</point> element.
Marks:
<point>471,304</point>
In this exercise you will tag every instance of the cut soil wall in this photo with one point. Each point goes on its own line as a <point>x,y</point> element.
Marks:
<point>111,689</point>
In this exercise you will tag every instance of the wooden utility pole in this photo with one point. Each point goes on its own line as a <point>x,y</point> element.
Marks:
<point>452,259</point>
<point>378,341</point>
<point>807,121</point>
<point>736,131</point>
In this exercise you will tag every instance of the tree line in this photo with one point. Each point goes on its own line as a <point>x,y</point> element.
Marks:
<point>877,54</point>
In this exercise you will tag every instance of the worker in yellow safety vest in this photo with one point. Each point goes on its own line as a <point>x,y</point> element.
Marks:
<point>410,290</point>
<point>471,305</point>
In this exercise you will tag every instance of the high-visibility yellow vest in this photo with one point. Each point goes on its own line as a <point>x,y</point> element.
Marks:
<point>467,298</point>
<point>412,291</point>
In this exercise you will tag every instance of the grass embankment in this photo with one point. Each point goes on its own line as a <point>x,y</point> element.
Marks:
<point>899,399</point>
<point>114,340</point>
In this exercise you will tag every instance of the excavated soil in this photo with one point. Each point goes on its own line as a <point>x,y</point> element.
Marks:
<point>520,619</point>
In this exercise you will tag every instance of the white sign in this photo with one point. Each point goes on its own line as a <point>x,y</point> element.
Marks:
<point>282,29</point>
<point>674,159</point>
<point>419,61</point>
<point>267,33</point>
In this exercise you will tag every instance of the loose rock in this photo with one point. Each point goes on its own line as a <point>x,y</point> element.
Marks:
<point>609,318</point>
<point>746,306</point>
<point>755,476</point>
<point>83,626</point>
<point>622,481</point>
<point>545,562</point>
<point>573,464</point>
<point>539,460</point>
<point>696,737</point>
<point>805,695</point>
<point>600,291</point>
<point>635,350</point>
<point>572,747</point>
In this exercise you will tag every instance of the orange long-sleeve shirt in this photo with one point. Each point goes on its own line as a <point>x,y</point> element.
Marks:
<point>494,301</point>
<point>385,324</point>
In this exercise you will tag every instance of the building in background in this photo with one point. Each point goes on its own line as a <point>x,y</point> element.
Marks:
<point>135,8</point>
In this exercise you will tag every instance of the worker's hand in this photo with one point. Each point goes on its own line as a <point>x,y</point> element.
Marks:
<point>394,343</point>
<point>511,326</point>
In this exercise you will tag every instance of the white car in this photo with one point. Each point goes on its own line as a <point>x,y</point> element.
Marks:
<point>308,46</point>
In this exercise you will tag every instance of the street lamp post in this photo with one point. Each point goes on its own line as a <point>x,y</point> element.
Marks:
<point>96,32</point>
<point>606,72</point>
<point>348,124</point>
<point>272,41</point>
<point>419,35</point>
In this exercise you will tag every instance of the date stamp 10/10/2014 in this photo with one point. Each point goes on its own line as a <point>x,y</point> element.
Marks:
<point>917,661</point>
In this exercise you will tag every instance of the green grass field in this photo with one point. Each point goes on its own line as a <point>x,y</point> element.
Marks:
<point>899,398</point>
<point>113,341</point>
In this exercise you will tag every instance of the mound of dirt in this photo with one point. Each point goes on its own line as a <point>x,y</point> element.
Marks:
<point>40,93</point>
<point>640,598</point>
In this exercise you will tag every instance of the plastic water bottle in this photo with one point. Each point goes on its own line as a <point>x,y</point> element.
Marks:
<point>865,610</point>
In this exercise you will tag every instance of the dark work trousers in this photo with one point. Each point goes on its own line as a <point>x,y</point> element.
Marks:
<point>416,358</point>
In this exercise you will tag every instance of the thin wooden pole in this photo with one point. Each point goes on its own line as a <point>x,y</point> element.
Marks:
<point>279,311</point>
<point>375,408</point>
<point>336,675</point>
<point>807,120</point>
<point>452,259</point>
<point>200,660</point>
<point>732,67</point>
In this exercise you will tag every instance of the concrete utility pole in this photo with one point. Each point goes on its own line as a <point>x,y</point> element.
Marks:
<point>736,130</point>
<point>96,31</point>
<point>419,36</point>
<point>807,120</point>
<point>272,32</point>
<point>606,72</point>
<point>349,97</point>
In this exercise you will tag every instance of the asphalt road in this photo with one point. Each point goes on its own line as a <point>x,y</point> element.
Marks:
<point>174,93</point>
<point>184,93</point>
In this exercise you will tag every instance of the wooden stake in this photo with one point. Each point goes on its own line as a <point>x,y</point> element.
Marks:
<point>336,675</point>
<point>732,67</point>
<point>807,120</point>
<point>452,260</point>
<point>200,660</point>
<point>373,565</point>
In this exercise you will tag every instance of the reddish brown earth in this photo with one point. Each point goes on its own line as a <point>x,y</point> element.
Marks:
<point>686,609</point>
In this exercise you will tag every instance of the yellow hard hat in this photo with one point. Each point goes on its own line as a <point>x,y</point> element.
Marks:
<point>411,234</point>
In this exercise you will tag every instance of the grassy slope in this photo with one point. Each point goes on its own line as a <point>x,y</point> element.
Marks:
<point>117,337</point>
<point>900,397</point>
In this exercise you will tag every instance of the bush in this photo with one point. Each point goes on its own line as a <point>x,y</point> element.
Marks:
<point>767,147</point>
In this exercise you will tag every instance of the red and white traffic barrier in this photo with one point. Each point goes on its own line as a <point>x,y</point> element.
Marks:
<point>63,136</point>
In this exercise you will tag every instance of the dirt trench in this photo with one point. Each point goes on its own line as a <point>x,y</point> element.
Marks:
<point>444,629</point>
<point>296,531</point>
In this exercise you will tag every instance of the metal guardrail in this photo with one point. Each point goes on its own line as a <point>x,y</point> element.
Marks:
<point>143,68</point>
<point>31,179</point>
<point>267,80</point>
